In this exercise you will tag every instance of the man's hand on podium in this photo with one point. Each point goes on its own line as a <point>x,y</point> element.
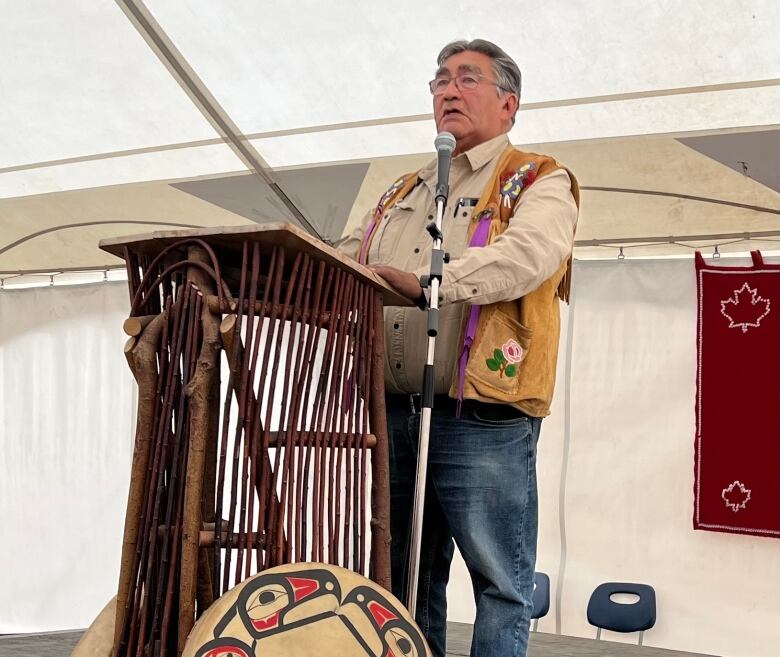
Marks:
<point>403,282</point>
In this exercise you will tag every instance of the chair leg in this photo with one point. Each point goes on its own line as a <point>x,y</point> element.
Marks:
<point>535,625</point>
<point>641,632</point>
<point>598,633</point>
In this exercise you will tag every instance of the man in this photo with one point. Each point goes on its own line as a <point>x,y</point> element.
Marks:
<point>509,228</point>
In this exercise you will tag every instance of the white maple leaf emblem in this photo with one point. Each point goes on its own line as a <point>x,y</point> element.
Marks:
<point>745,308</point>
<point>736,496</point>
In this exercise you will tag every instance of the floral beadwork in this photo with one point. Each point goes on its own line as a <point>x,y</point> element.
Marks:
<point>504,360</point>
<point>512,185</point>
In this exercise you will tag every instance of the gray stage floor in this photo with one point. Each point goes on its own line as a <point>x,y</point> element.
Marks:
<point>55,644</point>
<point>60,644</point>
<point>554,645</point>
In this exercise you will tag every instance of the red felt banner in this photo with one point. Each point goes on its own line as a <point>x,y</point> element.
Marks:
<point>737,459</point>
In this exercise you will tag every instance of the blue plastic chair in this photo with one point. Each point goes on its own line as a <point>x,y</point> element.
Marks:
<point>633,617</point>
<point>541,597</point>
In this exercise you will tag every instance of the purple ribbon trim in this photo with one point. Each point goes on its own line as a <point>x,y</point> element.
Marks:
<point>478,239</point>
<point>363,257</point>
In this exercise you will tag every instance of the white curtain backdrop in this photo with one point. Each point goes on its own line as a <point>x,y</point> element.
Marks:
<point>615,465</point>
<point>66,429</point>
<point>615,474</point>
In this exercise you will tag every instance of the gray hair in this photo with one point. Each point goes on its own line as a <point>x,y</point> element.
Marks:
<point>507,72</point>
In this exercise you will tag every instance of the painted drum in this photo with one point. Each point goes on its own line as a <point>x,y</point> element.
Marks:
<point>306,610</point>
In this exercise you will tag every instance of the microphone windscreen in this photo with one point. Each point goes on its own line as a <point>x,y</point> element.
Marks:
<point>445,141</point>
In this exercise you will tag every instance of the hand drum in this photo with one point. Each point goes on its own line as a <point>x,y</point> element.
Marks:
<point>306,610</point>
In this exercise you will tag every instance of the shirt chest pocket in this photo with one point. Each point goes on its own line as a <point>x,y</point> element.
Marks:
<point>456,233</point>
<point>393,232</point>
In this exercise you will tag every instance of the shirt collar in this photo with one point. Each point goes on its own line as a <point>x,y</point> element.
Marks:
<point>474,158</point>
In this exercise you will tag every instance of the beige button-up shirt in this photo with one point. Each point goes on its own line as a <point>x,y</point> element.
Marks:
<point>539,238</point>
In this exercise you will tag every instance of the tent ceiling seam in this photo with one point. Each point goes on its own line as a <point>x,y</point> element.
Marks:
<point>685,197</point>
<point>768,236</point>
<point>55,229</point>
<point>369,123</point>
<point>578,243</point>
<point>676,239</point>
<point>177,65</point>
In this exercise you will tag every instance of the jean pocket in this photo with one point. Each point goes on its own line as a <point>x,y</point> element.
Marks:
<point>500,416</point>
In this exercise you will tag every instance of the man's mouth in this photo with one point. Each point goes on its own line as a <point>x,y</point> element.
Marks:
<point>451,111</point>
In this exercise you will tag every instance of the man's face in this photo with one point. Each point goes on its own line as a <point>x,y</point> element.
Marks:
<point>476,115</point>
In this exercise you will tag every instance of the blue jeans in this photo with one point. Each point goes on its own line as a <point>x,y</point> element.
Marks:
<point>482,493</point>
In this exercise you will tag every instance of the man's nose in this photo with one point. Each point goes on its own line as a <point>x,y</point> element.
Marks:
<point>451,90</point>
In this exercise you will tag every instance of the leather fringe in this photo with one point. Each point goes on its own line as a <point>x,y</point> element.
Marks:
<point>564,287</point>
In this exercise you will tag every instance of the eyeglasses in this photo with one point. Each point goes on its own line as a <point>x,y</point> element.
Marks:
<point>464,81</point>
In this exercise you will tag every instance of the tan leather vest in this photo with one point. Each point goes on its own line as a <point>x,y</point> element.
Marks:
<point>515,349</point>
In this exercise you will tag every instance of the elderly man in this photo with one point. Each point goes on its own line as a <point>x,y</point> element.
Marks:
<point>509,228</point>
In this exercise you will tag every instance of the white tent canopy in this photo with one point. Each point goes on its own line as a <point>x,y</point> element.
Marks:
<point>117,116</point>
<point>142,115</point>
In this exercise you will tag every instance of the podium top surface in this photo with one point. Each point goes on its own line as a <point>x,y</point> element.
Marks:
<point>229,239</point>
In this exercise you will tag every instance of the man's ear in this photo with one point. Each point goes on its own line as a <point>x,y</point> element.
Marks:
<point>510,105</point>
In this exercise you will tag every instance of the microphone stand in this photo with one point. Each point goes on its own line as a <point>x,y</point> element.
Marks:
<point>445,144</point>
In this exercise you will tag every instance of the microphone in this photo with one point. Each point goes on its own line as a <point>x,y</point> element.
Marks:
<point>445,145</point>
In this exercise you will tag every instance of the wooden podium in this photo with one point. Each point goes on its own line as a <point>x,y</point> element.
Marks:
<point>258,353</point>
